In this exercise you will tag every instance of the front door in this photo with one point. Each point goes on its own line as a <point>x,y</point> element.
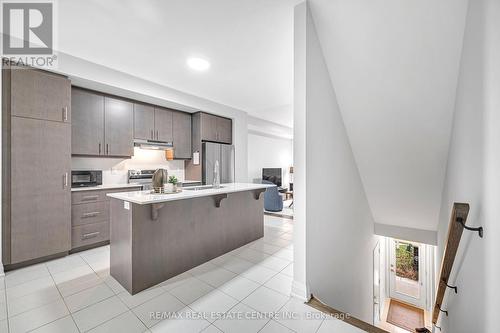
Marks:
<point>407,272</point>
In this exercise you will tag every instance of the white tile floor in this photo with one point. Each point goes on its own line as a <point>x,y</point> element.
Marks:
<point>77,294</point>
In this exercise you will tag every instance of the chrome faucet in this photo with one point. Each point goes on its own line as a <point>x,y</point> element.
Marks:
<point>216,183</point>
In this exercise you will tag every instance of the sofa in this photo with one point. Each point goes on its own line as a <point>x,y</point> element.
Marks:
<point>272,198</point>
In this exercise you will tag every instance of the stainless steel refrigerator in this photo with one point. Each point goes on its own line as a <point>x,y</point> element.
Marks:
<point>223,153</point>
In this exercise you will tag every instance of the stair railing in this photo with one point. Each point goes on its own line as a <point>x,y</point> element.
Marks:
<point>456,227</point>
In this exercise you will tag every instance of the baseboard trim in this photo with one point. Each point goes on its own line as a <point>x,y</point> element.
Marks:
<point>11,267</point>
<point>300,291</point>
<point>88,247</point>
<point>345,317</point>
<point>279,215</point>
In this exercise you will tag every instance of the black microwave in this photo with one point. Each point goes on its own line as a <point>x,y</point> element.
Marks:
<point>82,178</point>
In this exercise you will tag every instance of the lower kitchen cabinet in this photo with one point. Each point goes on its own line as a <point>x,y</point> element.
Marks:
<point>90,217</point>
<point>89,234</point>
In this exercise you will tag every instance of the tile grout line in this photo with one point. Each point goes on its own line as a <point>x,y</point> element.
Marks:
<point>104,322</point>
<point>62,299</point>
<point>166,291</point>
<point>6,304</point>
<point>114,295</point>
<point>66,305</point>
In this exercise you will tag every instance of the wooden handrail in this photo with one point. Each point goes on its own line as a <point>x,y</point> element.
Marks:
<point>455,229</point>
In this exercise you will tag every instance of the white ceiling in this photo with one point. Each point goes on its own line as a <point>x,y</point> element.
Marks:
<point>248,42</point>
<point>394,66</point>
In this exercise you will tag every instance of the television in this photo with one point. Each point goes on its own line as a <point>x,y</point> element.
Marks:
<point>272,174</point>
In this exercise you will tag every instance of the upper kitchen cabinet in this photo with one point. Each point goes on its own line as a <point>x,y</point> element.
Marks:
<point>144,122</point>
<point>118,127</point>
<point>182,135</point>
<point>163,125</point>
<point>215,128</point>
<point>87,128</point>
<point>224,130</point>
<point>208,127</point>
<point>101,125</point>
<point>40,95</point>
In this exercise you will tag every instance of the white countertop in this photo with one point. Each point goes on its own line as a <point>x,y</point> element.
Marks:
<point>145,197</point>
<point>104,187</point>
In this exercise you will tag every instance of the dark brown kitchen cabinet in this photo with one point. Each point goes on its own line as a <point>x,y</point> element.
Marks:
<point>118,127</point>
<point>208,127</point>
<point>90,217</point>
<point>215,128</point>
<point>224,130</point>
<point>40,95</point>
<point>87,127</point>
<point>153,123</point>
<point>163,125</point>
<point>182,135</point>
<point>144,122</point>
<point>40,189</point>
<point>36,166</point>
<point>102,125</point>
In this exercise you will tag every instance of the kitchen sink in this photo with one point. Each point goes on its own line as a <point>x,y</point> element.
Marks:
<point>199,188</point>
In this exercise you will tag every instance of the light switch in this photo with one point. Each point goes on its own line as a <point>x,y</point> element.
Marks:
<point>196,158</point>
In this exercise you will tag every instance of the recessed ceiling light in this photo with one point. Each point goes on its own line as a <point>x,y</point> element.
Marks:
<point>198,64</point>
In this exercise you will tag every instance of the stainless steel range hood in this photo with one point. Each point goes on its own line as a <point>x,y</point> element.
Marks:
<point>152,144</point>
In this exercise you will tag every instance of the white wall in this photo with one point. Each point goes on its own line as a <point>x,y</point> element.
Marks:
<point>259,125</point>
<point>269,152</point>
<point>394,65</point>
<point>339,224</point>
<point>473,176</point>
<point>410,234</point>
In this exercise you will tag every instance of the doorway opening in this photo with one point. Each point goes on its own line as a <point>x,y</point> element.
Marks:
<point>403,275</point>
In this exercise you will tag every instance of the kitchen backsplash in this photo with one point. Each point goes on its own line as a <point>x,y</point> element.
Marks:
<point>114,170</point>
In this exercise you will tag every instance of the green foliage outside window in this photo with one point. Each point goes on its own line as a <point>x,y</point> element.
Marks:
<point>407,261</point>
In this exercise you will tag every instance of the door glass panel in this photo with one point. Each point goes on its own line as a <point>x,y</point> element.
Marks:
<point>407,269</point>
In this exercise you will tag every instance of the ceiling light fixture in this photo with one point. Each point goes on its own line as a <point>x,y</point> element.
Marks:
<point>198,64</point>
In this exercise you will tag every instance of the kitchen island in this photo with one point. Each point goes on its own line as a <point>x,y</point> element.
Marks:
<point>157,236</point>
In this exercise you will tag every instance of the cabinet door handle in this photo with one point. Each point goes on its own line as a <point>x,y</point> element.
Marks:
<point>90,235</point>
<point>107,149</point>
<point>90,197</point>
<point>152,135</point>
<point>91,214</point>
<point>65,180</point>
<point>65,113</point>
<point>157,136</point>
<point>99,148</point>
